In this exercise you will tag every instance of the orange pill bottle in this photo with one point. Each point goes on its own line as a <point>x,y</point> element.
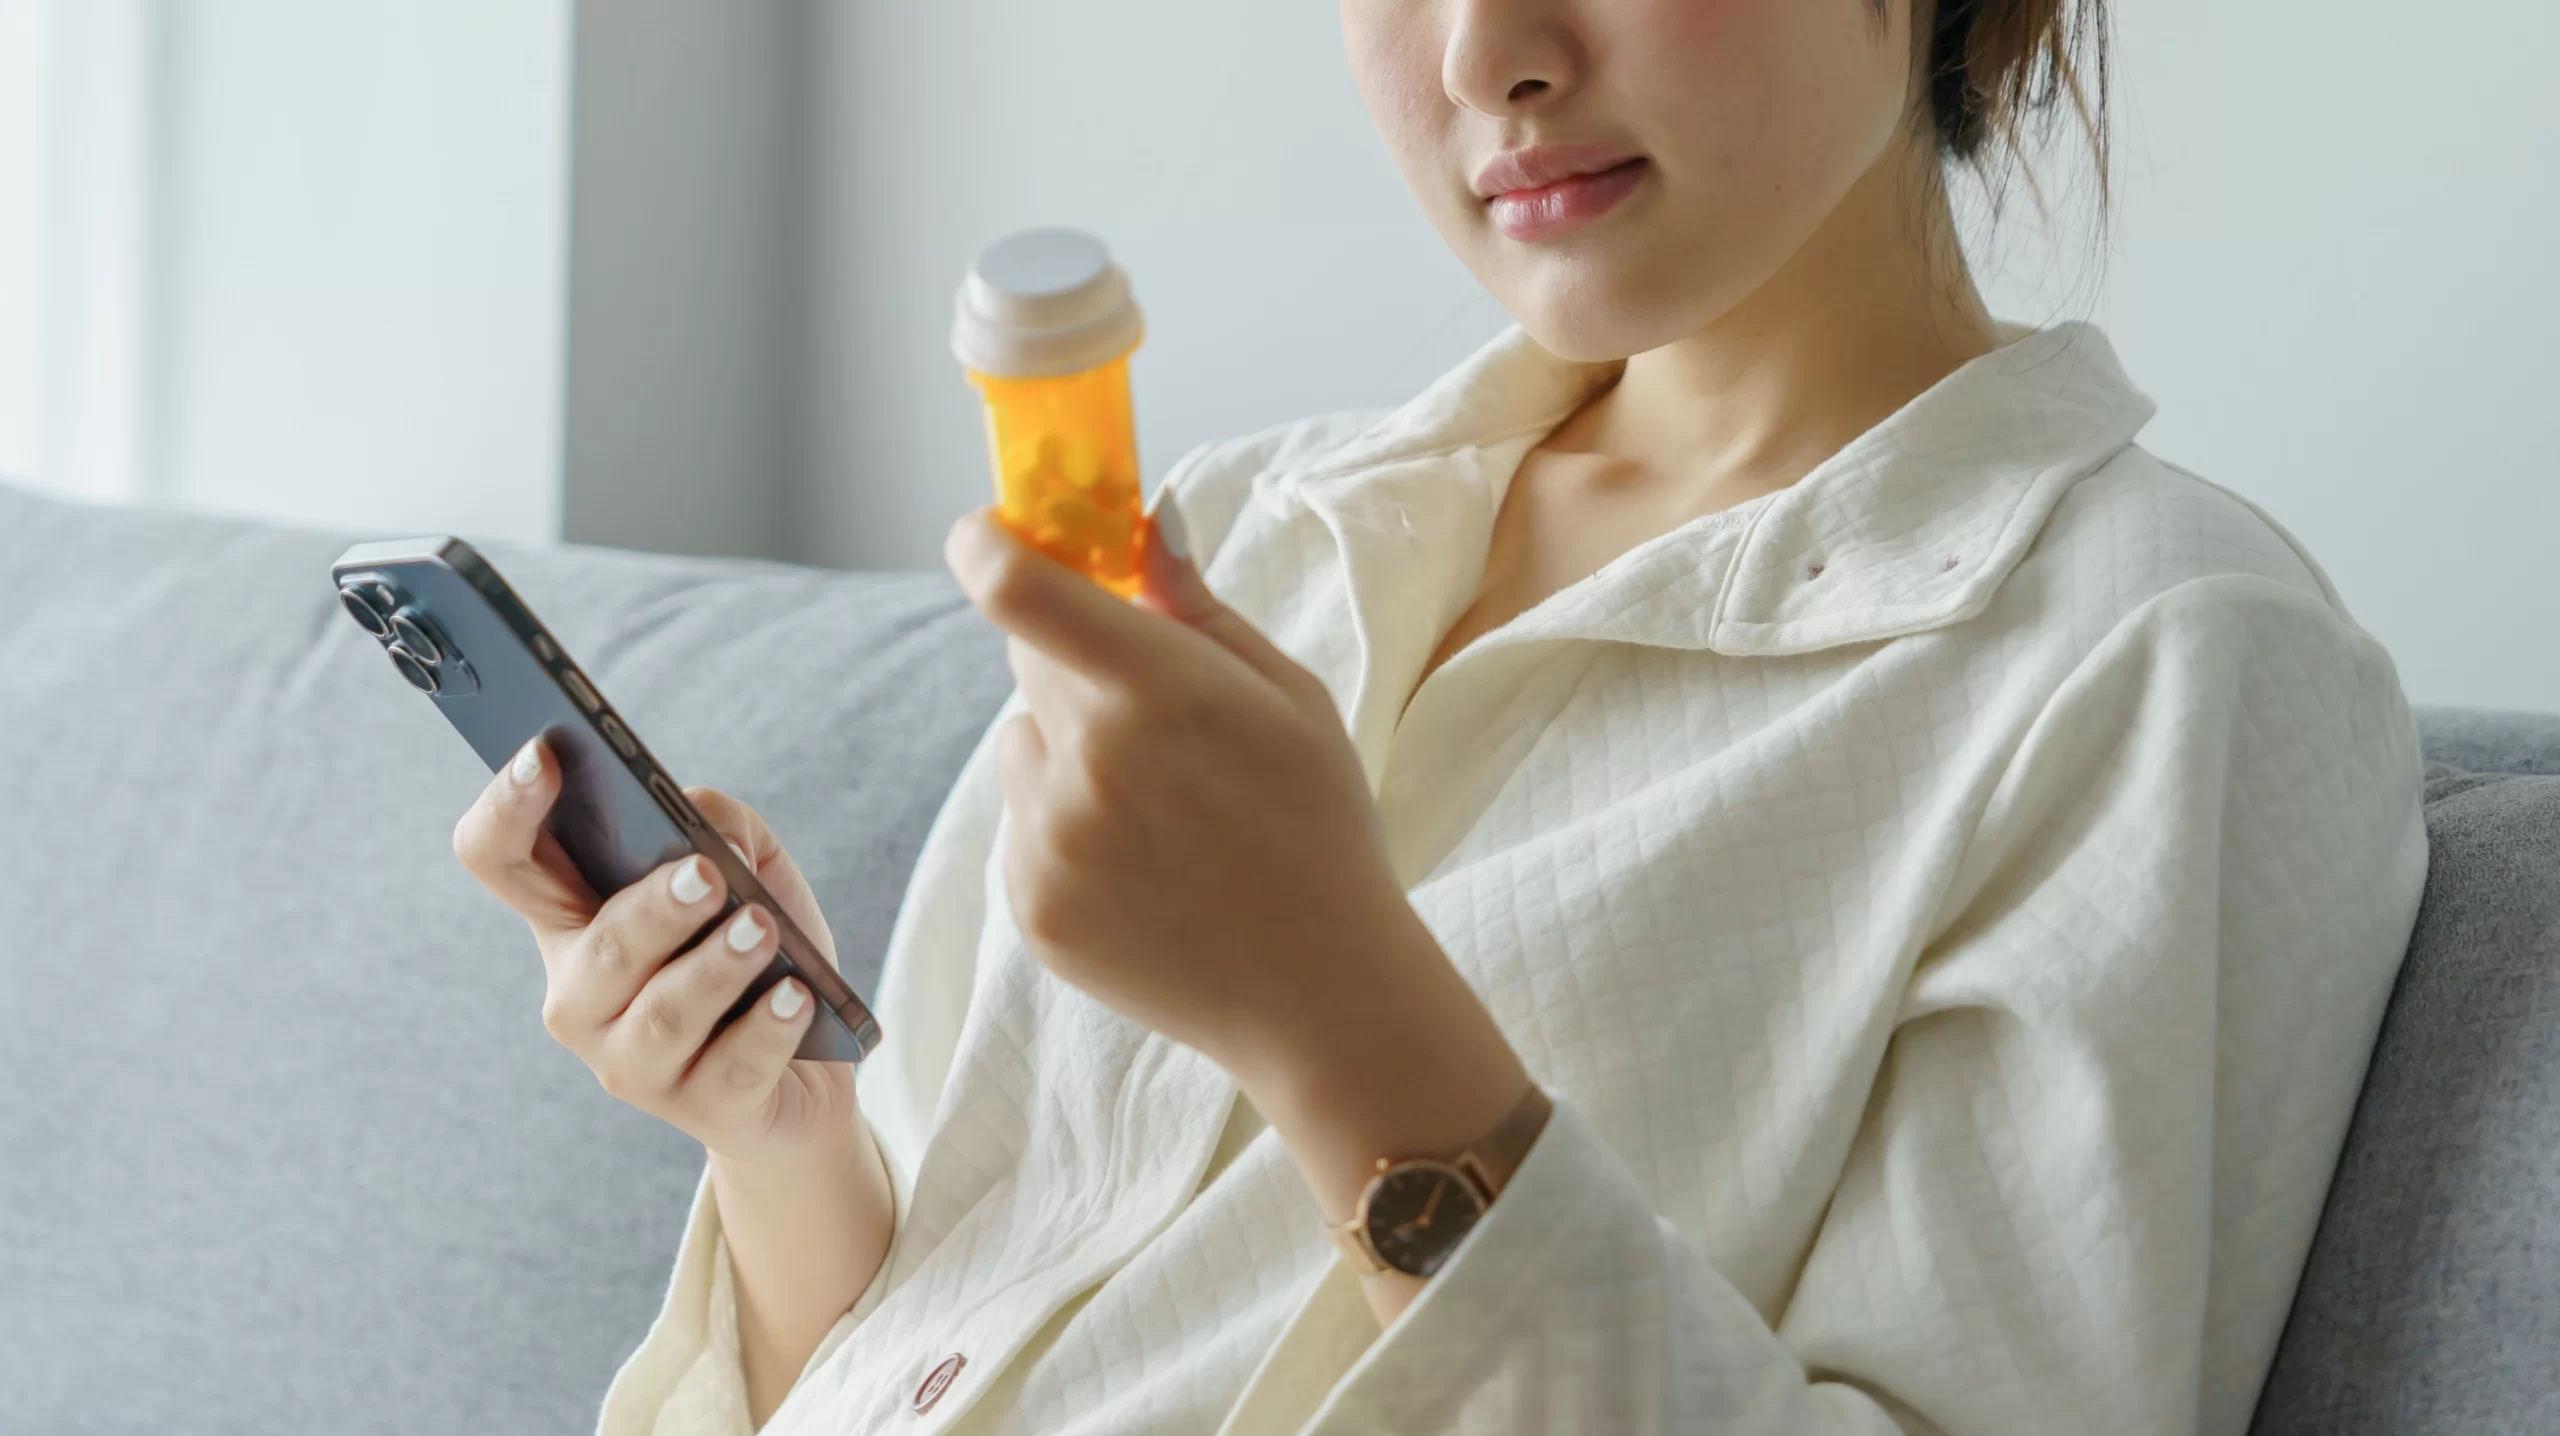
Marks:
<point>1044,328</point>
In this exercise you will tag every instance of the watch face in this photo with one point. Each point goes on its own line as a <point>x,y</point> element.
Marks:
<point>1417,1213</point>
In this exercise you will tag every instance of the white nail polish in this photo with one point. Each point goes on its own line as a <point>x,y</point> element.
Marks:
<point>692,882</point>
<point>787,999</point>
<point>528,763</point>
<point>742,854</point>
<point>1167,519</point>
<point>744,931</point>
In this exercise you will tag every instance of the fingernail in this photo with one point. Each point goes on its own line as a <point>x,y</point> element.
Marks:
<point>1173,585</point>
<point>692,882</point>
<point>744,931</point>
<point>741,852</point>
<point>1167,521</point>
<point>787,998</point>
<point>528,763</point>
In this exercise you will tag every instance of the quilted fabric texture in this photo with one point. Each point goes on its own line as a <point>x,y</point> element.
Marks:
<point>283,1146</point>
<point>2432,1301</point>
<point>1951,898</point>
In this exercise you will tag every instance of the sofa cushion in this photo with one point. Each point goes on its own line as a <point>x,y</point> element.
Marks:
<point>2431,1301</point>
<point>2487,740</point>
<point>284,1147</point>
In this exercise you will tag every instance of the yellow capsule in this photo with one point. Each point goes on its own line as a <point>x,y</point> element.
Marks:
<point>1070,513</point>
<point>1083,463</point>
<point>1110,534</point>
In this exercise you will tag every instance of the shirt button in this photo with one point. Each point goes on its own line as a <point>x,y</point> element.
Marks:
<point>939,1381</point>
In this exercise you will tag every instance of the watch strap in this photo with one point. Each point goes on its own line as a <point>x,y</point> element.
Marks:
<point>1498,1154</point>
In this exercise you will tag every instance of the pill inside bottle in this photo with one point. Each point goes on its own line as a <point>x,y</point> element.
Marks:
<point>1044,328</point>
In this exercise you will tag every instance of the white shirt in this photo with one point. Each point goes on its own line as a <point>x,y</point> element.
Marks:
<point>1951,900</point>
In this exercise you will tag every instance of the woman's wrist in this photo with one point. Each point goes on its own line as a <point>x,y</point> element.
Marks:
<point>806,1231</point>
<point>1386,1052</point>
<point>825,1213</point>
<point>793,1158</point>
<point>845,1174</point>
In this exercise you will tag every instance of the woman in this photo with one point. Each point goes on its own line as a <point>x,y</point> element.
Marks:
<point>1746,862</point>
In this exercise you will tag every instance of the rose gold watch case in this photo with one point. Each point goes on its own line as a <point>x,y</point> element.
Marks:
<point>1353,1237</point>
<point>1484,1169</point>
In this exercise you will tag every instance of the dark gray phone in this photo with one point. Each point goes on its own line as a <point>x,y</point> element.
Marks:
<point>458,634</point>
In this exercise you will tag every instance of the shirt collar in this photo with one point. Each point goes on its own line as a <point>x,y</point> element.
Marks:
<point>1912,526</point>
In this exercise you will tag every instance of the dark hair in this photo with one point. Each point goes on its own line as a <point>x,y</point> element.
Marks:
<point>2002,73</point>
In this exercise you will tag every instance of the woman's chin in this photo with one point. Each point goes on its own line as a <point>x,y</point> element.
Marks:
<point>1583,307</point>
<point>1592,333</point>
<point>1619,291</point>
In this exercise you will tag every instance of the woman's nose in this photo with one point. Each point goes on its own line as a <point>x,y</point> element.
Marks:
<point>1507,57</point>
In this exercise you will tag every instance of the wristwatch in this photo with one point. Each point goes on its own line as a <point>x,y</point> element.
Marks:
<point>1412,1214</point>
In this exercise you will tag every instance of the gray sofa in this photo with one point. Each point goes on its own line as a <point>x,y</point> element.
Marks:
<point>283,1147</point>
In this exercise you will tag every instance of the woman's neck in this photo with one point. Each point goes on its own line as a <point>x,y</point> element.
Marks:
<point>1873,310</point>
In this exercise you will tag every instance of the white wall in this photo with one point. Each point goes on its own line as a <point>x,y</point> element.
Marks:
<point>91,232</point>
<point>1218,148</point>
<point>359,287</point>
<point>311,260</point>
<point>2335,274</point>
<point>683,254</point>
<point>22,76</point>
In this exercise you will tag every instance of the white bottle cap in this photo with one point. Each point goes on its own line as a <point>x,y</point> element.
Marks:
<point>1044,302</point>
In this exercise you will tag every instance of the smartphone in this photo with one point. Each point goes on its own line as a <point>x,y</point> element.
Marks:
<point>457,633</point>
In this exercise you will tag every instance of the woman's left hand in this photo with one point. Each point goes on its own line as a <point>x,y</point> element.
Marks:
<point>1192,839</point>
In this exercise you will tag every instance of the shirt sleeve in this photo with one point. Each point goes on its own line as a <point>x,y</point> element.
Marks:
<point>686,1379</point>
<point>2102,1130</point>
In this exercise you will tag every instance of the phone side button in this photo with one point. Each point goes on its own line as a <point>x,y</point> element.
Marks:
<point>619,736</point>
<point>663,788</point>
<point>578,689</point>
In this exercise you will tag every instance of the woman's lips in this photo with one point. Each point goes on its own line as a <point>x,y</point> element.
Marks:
<point>1558,209</point>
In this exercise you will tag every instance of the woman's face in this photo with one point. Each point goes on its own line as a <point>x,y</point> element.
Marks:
<point>1741,125</point>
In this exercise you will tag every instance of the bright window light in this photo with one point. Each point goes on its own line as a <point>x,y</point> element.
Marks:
<point>22,75</point>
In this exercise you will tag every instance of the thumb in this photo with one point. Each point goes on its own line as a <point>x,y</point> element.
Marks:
<point>1171,585</point>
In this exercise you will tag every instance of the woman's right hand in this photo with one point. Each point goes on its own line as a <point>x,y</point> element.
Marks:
<point>639,1012</point>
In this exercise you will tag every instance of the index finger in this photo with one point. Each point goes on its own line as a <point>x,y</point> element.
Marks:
<point>501,841</point>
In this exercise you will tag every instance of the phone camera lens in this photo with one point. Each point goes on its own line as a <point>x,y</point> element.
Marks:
<point>365,603</point>
<point>420,676</point>
<point>412,635</point>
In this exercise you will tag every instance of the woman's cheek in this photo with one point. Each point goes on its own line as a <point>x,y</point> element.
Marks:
<point>1396,68</point>
<point>1706,74</point>
<point>1688,30</point>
